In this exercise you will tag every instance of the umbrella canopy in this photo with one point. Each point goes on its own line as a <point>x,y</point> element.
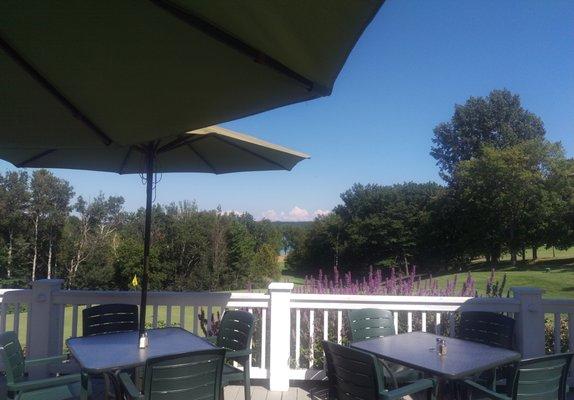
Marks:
<point>212,150</point>
<point>125,72</point>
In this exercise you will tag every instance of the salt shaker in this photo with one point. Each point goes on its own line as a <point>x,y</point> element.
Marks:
<point>143,341</point>
<point>442,347</point>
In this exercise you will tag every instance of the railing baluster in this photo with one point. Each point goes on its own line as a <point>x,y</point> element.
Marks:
<point>557,344</point>
<point>409,321</point>
<point>182,316</point>
<point>424,322</point>
<point>339,326</point>
<point>4,310</point>
<point>250,311</point>
<point>396,322</point>
<point>297,337</point>
<point>263,337</point>
<point>311,337</point>
<point>325,325</point>
<point>451,321</point>
<point>195,320</point>
<point>168,316</point>
<point>74,320</point>
<point>438,328</point>
<point>154,316</point>
<point>209,315</point>
<point>16,324</point>
<point>571,332</point>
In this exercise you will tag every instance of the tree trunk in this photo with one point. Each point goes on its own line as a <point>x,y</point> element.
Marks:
<point>535,252</point>
<point>10,249</point>
<point>35,257</point>
<point>50,260</point>
<point>523,253</point>
<point>513,257</point>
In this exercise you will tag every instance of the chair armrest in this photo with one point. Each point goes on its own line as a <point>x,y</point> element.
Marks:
<point>211,339</point>
<point>44,383</point>
<point>390,372</point>
<point>129,386</point>
<point>231,354</point>
<point>46,360</point>
<point>415,387</point>
<point>484,391</point>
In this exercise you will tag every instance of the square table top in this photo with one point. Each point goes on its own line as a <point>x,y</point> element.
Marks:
<point>103,353</point>
<point>417,350</point>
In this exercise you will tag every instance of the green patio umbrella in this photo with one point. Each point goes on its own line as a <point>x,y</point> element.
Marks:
<point>86,72</point>
<point>210,150</point>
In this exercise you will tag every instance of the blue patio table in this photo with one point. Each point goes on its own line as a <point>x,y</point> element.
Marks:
<point>417,350</point>
<point>118,351</point>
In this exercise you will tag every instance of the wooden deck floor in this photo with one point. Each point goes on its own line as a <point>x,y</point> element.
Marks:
<point>298,391</point>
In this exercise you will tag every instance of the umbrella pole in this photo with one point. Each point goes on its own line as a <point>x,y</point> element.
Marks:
<point>150,155</point>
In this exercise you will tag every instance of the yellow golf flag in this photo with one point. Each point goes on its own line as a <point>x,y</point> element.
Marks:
<point>135,281</point>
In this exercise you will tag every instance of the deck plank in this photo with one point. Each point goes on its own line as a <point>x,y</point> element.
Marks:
<point>274,395</point>
<point>230,392</point>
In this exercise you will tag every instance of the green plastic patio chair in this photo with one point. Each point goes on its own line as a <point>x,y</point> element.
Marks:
<point>104,319</point>
<point>235,334</point>
<point>189,376</point>
<point>109,318</point>
<point>369,323</point>
<point>19,387</point>
<point>354,374</point>
<point>542,378</point>
<point>493,329</point>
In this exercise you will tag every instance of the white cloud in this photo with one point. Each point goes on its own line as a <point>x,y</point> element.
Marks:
<point>270,215</point>
<point>295,214</point>
<point>321,213</point>
<point>299,214</point>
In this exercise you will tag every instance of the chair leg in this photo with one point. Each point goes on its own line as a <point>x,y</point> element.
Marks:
<point>247,380</point>
<point>85,384</point>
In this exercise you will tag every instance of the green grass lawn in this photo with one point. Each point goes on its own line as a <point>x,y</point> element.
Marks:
<point>190,320</point>
<point>559,282</point>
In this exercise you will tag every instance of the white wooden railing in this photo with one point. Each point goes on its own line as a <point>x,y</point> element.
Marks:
<point>288,324</point>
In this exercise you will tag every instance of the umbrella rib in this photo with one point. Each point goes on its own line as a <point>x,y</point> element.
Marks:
<point>38,77</point>
<point>239,45</point>
<point>34,158</point>
<point>270,161</point>
<point>180,142</point>
<point>125,160</point>
<point>202,158</point>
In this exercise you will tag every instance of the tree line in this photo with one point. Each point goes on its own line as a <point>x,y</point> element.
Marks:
<point>506,188</point>
<point>45,232</point>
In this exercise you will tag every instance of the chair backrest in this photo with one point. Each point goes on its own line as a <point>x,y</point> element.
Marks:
<point>352,374</point>
<point>109,318</point>
<point>190,376</point>
<point>236,330</point>
<point>542,378</point>
<point>12,357</point>
<point>367,323</point>
<point>488,328</point>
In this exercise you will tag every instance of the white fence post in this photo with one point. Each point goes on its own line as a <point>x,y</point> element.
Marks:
<point>280,335</point>
<point>530,322</point>
<point>45,320</point>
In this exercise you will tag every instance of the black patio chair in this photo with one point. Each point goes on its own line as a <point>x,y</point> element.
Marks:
<point>369,323</point>
<point>542,378</point>
<point>104,319</point>
<point>354,374</point>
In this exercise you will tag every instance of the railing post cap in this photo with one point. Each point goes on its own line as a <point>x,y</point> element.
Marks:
<point>527,290</point>
<point>281,286</point>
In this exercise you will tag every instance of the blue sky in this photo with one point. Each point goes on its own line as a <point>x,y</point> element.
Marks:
<point>414,62</point>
